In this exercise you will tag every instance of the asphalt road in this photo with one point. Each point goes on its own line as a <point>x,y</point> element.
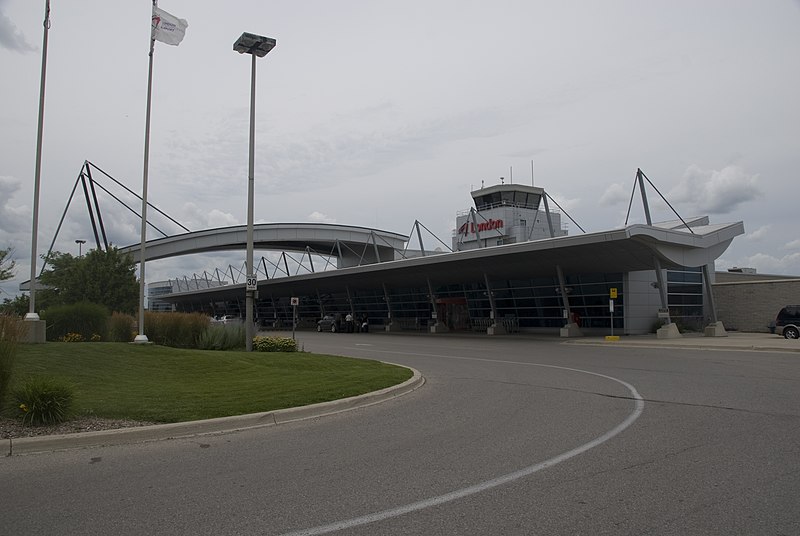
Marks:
<point>509,436</point>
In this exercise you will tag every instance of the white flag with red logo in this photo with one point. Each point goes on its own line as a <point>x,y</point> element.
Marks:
<point>168,28</point>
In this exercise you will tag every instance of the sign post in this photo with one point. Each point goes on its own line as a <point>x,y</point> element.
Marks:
<point>611,310</point>
<point>612,295</point>
<point>295,302</point>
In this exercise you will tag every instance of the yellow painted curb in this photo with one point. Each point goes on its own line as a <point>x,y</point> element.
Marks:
<point>612,337</point>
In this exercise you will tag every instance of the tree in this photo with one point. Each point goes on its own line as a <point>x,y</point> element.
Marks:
<point>6,270</point>
<point>104,277</point>
<point>17,306</point>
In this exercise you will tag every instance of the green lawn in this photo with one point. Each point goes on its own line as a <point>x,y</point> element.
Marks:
<point>161,384</point>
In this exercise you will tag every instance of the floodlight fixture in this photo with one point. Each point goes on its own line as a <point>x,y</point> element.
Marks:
<point>254,44</point>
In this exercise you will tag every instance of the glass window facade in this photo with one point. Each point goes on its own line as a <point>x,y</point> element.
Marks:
<point>525,304</point>
<point>521,304</point>
<point>685,297</point>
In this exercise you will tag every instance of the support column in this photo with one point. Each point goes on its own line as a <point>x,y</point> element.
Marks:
<point>352,310</point>
<point>570,329</point>
<point>495,327</point>
<point>321,306</point>
<point>390,324</point>
<point>419,237</point>
<point>549,219</point>
<point>669,330</point>
<point>715,328</point>
<point>375,246</point>
<point>438,326</point>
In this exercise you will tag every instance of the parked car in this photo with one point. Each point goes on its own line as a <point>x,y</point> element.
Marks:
<point>329,323</point>
<point>787,323</point>
<point>226,319</point>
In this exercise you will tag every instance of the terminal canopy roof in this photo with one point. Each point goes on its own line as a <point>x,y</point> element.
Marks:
<point>632,248</point>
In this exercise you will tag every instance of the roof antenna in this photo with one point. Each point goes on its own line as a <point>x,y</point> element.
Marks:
<point>481,184</point>
<point>511,174</point>
<point>531,171</point>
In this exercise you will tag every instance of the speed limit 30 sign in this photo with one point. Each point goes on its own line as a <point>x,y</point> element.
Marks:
<point>252,282</point>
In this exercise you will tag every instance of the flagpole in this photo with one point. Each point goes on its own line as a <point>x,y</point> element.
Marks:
<point>141,337</point>
<point>32,314</point>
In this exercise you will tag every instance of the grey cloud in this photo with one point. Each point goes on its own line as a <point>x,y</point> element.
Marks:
<point>354,151</point>
<point>10,37</point>
<point>13,218</point>
<point>716,192</point>
<point>347,146</point>
<point>320,217</point>
<point>197,218</point>
<point>614,195</point>
<point>759,234</point>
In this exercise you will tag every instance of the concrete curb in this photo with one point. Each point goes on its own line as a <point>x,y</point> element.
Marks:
<point>222,425</point>
<point>734,342</point>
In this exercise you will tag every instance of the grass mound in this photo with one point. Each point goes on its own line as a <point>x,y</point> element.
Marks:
<point>162,384</point>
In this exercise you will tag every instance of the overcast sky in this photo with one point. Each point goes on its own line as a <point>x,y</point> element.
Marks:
<point>379,113</point>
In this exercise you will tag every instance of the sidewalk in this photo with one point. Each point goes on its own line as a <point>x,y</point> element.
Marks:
<point>734,341</point>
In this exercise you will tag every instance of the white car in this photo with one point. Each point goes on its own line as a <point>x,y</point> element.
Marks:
<point>226,319</point>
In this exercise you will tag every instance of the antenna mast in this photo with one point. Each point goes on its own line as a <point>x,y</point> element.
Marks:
<point>532,172</point>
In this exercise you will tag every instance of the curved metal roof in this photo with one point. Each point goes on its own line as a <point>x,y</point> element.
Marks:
<point>349,243</point>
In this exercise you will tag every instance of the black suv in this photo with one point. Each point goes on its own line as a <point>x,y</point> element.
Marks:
<point>787,322</point>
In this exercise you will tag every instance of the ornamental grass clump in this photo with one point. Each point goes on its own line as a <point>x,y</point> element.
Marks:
<point>222,337</point>
<point>85,319</point>
<point>179,330</point>
<point>274,344</point>
<point>43,400</point>
<point>121,328</point>
<point>11,331</point>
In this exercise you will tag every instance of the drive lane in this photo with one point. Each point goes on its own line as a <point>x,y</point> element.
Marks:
<point>715,449</point>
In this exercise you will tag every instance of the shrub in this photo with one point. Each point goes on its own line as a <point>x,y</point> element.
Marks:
<point>11,331</point>
<point>121,328</point>
<point>179,330</point>
<point>274,344</point>
<point>43,400</point>
<point>222,337</point>
<point>84,319</point>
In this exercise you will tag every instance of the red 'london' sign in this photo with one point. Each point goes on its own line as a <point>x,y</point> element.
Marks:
<point>488,225</point>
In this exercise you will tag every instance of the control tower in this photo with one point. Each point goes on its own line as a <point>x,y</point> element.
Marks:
<point>506,214</point>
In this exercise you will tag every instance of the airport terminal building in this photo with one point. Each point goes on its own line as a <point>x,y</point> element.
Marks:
<point>513,268</point>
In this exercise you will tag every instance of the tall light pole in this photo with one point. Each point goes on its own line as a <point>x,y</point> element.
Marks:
<point>32,316</point>
<point>80,243</point>
<point>257,46</point>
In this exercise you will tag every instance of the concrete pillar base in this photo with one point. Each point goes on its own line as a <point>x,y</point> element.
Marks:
<point>438,327</point>
<point>392,327</point>
<point>668,331</point>
<point>571,330</point>
<point>34,331</point>
<point>715,330</point>
<point>497,329</point>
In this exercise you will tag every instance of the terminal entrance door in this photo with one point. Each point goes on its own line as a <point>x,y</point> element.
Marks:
<point>453,313</point>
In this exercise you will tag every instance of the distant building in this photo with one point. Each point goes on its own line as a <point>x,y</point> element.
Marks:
<point>738,270</point>
<point>158,289</point>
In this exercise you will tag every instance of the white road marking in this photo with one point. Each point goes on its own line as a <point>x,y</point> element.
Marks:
<point>499,481</point>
